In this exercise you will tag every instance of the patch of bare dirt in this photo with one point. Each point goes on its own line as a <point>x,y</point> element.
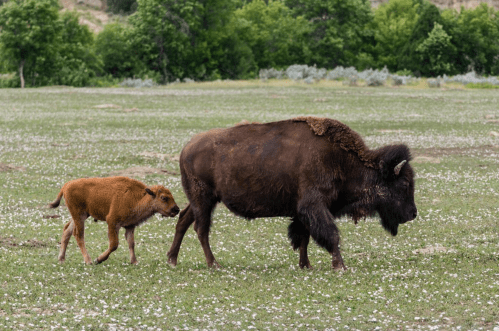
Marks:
<point>433,250</point>
<point>171,157</point>
<point>436,153</point>
<point>141,172</point>
<point>90,16</point>
<point>107,106</point>
<point>10,167</point>
<point>12,242</point>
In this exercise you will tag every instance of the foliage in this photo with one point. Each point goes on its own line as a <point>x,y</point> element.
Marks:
<point>436,53</point>
<point>28,35</point>
<point>393,25</point>
<point>275,37</point>
<point>113,46</point>
<point>122,6</point>
<point>339,29</point>
<point>475,33</point>
<point>427,16</point>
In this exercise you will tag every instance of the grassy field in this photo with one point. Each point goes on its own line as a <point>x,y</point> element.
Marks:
<point>440,273</point>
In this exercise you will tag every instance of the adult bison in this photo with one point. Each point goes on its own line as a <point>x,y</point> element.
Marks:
<point>310,169</point>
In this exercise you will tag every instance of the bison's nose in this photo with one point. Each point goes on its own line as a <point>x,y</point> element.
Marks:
<point>414,213</point>
<point>175,210</point>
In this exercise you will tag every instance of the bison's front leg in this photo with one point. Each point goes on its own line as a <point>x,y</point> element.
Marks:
<point>113,242</point>
<point>129,235</point>
<point>299,236</point>
<point>323,230</point>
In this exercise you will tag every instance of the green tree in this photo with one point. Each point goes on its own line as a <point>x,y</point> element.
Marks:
<point>428,16</point>
<point>276,38</point>
<point>161,36</point>
<point>187,39</point>
<point>436,53</point>
<point>122,6</point>
<point>339,29</point>
<point>393,25</point>
<point>76,61</point>
<point>28,31</point>
<point>475,34</point>
<point>113,46</point>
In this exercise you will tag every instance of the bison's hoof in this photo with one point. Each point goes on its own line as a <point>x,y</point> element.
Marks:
<point>214,265</point>
<point>95,262</point>
<point>172,262</point>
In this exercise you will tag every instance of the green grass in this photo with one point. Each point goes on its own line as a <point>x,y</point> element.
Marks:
<point>57,134</point>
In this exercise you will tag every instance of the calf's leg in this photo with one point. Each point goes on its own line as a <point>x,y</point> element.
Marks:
<point>79,233</point>
<point>112,229</point>
<point>129,235</point>
<point>299,236</point>
<point>67,232</point>
<point>185,219</point>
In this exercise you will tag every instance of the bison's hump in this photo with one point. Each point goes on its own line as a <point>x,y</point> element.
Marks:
<point>341,134</point>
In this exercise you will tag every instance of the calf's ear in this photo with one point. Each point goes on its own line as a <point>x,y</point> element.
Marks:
<point>150,192</point>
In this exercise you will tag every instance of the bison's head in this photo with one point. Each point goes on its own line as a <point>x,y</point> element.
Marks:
<point>395,189</point>
<point>162,201</point>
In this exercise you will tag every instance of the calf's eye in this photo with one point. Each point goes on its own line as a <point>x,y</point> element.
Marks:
<point>164,198</point>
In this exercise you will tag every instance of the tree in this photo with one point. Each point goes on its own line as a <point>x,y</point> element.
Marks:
<point>76,61</point>
<point>122,6</point>
<point>338,29</point>
<point>475,34</point>
<point>436,53</point>
<point>186,39</point>
<point>393,25</point>
<point>276,38</point>
<point>428,16</point>
<point>28,30</point>
<point>113,46</point>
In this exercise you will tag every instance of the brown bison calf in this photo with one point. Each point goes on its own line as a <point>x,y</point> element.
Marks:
<point>119,201</point>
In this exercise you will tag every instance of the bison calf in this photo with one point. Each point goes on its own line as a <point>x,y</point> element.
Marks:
<point>119,201</point>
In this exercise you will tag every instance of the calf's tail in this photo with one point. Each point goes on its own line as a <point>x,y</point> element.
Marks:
<point>57,201</point>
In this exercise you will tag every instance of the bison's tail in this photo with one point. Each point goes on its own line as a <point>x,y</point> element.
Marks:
<point>57,201</point>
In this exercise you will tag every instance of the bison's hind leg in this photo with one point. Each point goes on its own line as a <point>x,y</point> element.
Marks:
<point>202,215</point>
<point>300,237</point>
<point>185,219</point>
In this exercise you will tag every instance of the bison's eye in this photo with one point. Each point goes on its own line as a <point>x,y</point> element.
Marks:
<point>165,199</point>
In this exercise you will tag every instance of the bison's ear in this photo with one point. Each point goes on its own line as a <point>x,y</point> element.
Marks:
<point>392,160</point>
<point>150,192</point>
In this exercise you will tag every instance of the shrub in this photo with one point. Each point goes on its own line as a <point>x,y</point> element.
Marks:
<point>265,74</point>
<point>130,82</point>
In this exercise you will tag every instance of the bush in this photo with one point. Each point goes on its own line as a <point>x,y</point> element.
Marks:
<point>129,82</point>
<point>9,80</point>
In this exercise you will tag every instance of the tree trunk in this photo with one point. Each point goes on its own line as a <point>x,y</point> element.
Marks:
<point>21,67</point>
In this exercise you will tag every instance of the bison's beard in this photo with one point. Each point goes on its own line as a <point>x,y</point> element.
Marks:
<point>389,220</point>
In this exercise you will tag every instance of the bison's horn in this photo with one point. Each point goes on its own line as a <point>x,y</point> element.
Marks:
<point>398,167</point>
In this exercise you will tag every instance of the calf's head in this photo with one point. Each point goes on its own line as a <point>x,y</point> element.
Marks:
<point>395,188</point>
<point>162,201</point>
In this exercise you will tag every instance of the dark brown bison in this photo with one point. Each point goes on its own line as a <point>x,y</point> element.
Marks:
<point>310,169</point>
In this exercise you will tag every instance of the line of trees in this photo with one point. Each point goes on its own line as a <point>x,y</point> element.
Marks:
<point>233,39</point>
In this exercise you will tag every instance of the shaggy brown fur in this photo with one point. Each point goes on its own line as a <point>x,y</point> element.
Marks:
<point>119,201</point>
<point>312,170</point>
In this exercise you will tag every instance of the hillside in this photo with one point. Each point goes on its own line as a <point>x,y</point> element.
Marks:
<point>94,15</point>
<point>455,4</point>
